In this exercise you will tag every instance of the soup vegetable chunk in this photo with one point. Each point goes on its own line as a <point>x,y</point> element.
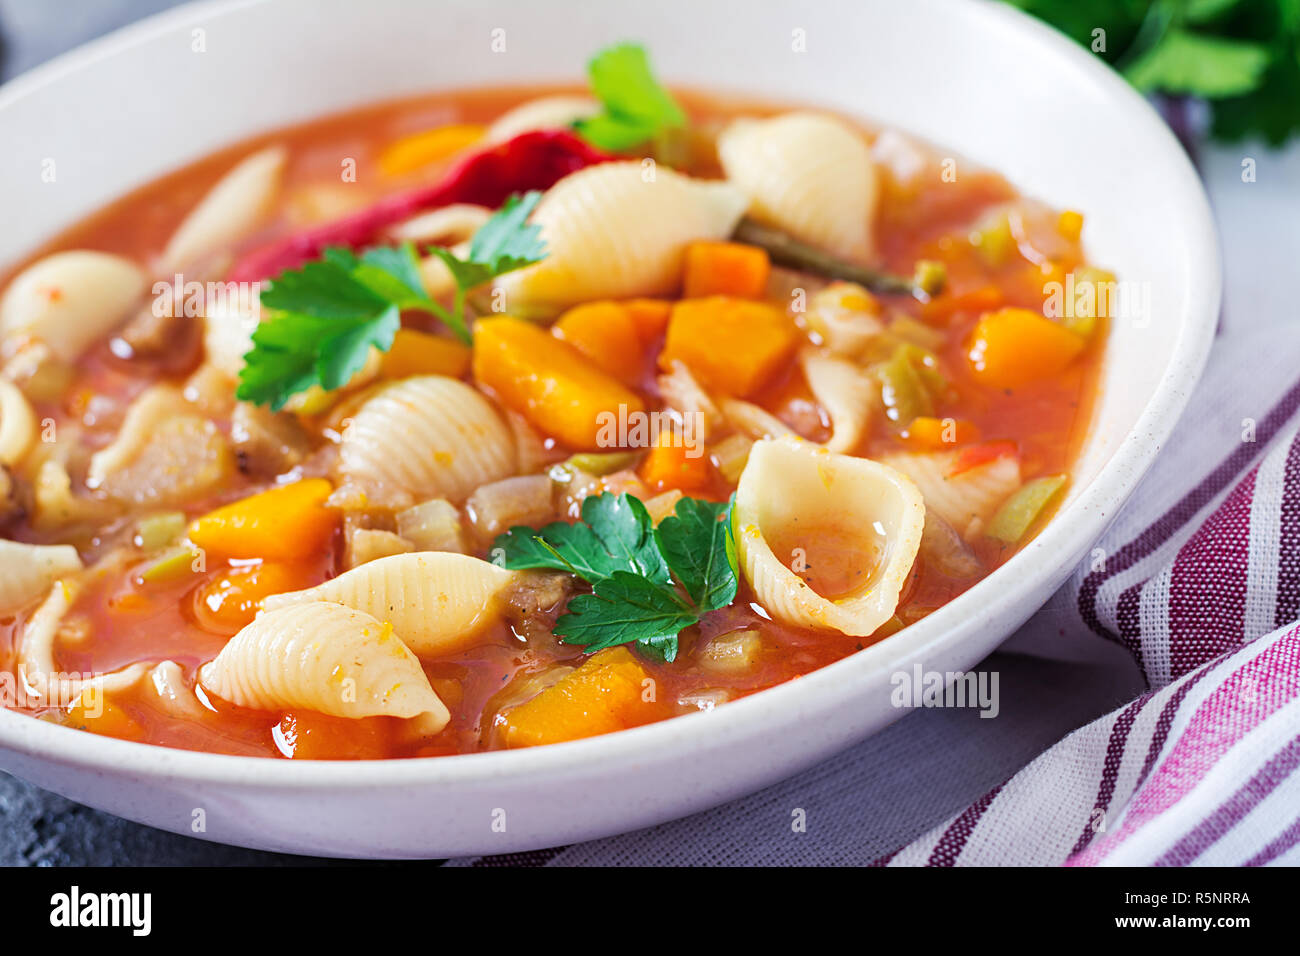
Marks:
<point>511,417</point>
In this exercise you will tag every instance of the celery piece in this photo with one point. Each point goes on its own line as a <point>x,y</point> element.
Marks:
<point>1019,512</point>
<point>930,276</point>
<point>926,364</point>
<point>602,463</point>
<point>159,530</point>
<point>993,240</point>
<point>172,566</point>
<point>903,390</point>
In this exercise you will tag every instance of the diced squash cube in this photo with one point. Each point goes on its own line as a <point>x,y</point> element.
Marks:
<point>732,346</point>
<point>725,268</point>
<point>1013,347</point>
<point>419,353</point>
<point>650,317</point>
<point>549,382</point>
<point>281,524</point>
<point>603,695</point>
<point>607,334</point>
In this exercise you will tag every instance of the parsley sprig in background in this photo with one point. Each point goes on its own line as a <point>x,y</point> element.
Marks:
<point>1242,56</point>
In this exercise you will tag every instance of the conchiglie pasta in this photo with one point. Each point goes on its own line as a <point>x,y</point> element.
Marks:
<point>620,230</point>
<point>790,495</point>
<point>426,437</point>
<point>36,654</point>
<point>546,112</point>
<point>70,299</point>
<point>972,495</point>
<point>808,174</point>
<point>28,570</point>
<point>846,393</point>
<point>438,601</point>
<point>231,209</point>
<point>323,657</point>
<point>17,424</point>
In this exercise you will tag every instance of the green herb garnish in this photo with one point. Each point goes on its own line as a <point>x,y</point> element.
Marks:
<point>636,107</point>
<point>1242,55</point>
<point>648,583</point>
<point>326,316</point>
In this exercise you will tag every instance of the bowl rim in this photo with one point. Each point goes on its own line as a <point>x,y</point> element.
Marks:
<point>1072,530</point>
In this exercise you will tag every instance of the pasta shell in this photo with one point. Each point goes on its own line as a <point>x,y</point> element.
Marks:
<point>322,657</point>
<point>752,420</point>
<point>28,570</point>
<point>17,424</point>
<point>71,299</point>
<point>792,491</point>
<point>546,112</point>
<point>163,454</point>
<point>846,393</point>
<point>446,224</point>
<point>166,685</point>
<point>36,654</point>
<point>438,601</point>
<point>426,437</point>
<point>230,210</point>
<point>619,230</point>
<point>808,174</point>
<point>972,495</point>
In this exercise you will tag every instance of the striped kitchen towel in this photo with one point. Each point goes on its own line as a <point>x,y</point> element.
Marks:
<point>1199,580</point>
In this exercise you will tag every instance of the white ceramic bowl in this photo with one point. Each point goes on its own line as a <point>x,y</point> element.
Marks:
<point>978,77</point>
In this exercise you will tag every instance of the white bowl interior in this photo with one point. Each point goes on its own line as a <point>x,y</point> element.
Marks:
<point>976,77</point>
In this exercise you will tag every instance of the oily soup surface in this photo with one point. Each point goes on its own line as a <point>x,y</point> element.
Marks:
<point>972,393</point>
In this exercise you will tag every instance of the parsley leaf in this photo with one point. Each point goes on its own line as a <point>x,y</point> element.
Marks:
<point>637,571</point>
<point>622,608</point>
<point>696,542</point>
<point>636,107</point>
<point>504,243</point>
<point>615,534</point>
<point>326,316</point>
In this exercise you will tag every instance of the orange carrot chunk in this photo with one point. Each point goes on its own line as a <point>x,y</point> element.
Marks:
<point>671,464</point>
<point>601,696</point>
<point>421,149</point>
<point>93,712</point>
<point>550,383</point>
<point>281,524</point>
<point>419,353</point>
<point>732,346</point>
<point>725,268</point>
<point>1012,347</point>
<point>607,334</point>
<point>307,735</point>
<point>232,599</point>
<point>936,433</point>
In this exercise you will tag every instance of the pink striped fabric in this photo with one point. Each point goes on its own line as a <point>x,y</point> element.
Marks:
<point>1200,583</point>
<point>1188,769</point>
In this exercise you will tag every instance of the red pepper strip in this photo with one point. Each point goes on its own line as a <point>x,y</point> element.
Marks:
<point>976,455</point>
<point>533,160</point>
